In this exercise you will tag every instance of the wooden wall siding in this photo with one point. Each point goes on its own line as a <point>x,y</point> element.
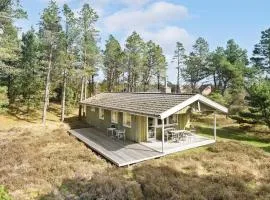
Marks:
<point>144,129</point>
<point>159,133</point>
<point>141,129</point>
<point>183,120</point>
<point>184,110</point>
<point>136,133</point>
<point>93,118</point>
<point>206,108</point>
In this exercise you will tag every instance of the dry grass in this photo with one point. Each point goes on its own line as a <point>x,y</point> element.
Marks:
<point>34,161</point>
<point>226,170</point>
<point>256,135</point>
<point>46,163</point>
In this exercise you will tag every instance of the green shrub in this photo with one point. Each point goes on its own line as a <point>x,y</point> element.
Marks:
<point>3,194</point>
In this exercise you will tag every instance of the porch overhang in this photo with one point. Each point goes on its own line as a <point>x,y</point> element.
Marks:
<point>190,101</point>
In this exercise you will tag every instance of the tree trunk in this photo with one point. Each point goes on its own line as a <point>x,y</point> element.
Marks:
<point>47,89</point>
<point>63,102</point>
<point>124,87</point>
<point>132,89</point>
<point>215,81</point>
<point>85,96</point>
<point>158,83</point>
<point>84,67</point>
<point>93,85</point>
<point>76,95</point>
<point>135,83</point>
<point>81,97</point>
<point>144,87</point>
<point>178,80</point>
<point>80,112</point>
<point>129,79</point>
<point>178,74</point>
<point>223,90</point>
<point>109,81</point>
<point>85,88</point>
<point>193,87</point>
<point>224,87</point>
<point>9,91</point>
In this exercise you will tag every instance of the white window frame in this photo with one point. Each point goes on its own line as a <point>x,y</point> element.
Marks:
<point>125,115</point>
<point>93,109</point>
<point>112,116</point>
<point>101,113</point>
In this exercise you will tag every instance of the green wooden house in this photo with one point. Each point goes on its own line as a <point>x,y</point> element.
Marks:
<point>146,116</point>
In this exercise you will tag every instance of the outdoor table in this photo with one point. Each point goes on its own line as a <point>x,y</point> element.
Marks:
<point>177,134</point>
<point>111,129</point>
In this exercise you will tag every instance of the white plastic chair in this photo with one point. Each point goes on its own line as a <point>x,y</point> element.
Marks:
<point>121,134</point>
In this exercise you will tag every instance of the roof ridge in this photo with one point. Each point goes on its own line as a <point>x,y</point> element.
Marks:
<point>149,93</point>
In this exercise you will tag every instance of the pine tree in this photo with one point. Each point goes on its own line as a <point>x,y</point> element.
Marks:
<point>150,61</point>
<point>50,31</point>
<point>30,79</point>
<point>228,67</point>
<point>259,101</point>
<point>9,44</point>
<point>196,64</point>
<point>112,62</point>
<point>179,58</point>
<point>89,50</point>
<point>261,52</point>
<point>70,37</point>
<point>134,49</point>
<point>154,64</point>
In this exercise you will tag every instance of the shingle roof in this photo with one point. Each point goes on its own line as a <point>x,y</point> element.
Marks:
<point>138,103</point>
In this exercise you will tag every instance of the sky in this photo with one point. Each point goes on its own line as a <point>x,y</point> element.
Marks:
<point>168,21</point>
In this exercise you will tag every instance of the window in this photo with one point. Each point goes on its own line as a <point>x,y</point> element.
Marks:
<point>170,120</point>
<point>160,121</point>
<point>151,121</point>
<point>173,119</point>
<point>127,119</point>
<point>93,109</point>
<point>114,117</point>
<point>101,113</point>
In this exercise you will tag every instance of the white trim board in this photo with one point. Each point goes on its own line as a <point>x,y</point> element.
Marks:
<point>191,100</point>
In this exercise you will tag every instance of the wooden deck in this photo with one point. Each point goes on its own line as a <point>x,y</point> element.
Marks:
<point>116,151</point>
<point>130,153</point>
<point>172,147</point>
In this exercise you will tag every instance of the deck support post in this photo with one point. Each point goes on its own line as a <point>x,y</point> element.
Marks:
<point>162,135</point>
<point>215,126</point>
